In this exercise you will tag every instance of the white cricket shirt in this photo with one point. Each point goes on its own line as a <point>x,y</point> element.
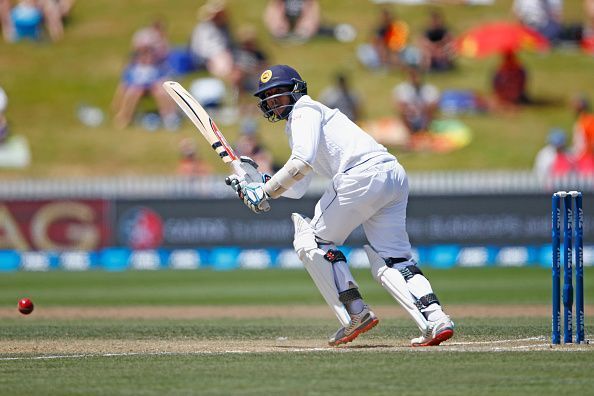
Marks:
<point>327,140</point>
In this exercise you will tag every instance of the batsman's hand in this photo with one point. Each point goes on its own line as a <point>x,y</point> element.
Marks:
<point>251,193</point>
<point>250,167</point>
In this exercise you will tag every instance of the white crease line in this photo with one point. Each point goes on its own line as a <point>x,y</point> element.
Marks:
<point>91,355</point>
<point>539,338</point>
<point>522,347</point>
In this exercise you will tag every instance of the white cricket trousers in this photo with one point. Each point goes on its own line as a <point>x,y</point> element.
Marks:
<point>375,197</point>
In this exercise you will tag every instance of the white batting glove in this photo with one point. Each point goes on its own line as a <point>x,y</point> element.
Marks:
<point>250,167</point>
<point>252,194</point>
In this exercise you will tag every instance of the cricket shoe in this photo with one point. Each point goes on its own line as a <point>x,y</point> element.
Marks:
<point>360,323</point>
<point>437,332</point>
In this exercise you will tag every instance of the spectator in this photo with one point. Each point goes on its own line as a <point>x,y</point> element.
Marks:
<point>144,75</point>
<point>583,135</point>
<point>416,102</point>
<point>211,43</point>
<point>249,145</point>
<point>14,149</point>
<point>340,96</point>
<point>292,19</point>
<point>437,44</point>
<point>509,82</point>
<point>544,16</point>
<point>189,163</point>
<point>389,41</point>
<point>29,19</point>
<point>154,36</point>
<point>554,160</point>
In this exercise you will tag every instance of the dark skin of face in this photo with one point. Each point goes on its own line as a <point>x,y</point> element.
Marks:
<point>278,103</point>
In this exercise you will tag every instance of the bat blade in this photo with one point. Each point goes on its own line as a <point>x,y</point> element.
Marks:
<point>210,131</point>
<point>200,118</point>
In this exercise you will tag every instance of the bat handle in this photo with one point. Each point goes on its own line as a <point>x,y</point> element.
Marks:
<point>252,176</point>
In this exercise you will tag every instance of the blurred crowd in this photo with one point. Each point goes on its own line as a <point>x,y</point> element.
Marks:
<point>34,19</point>
<point>224,61</point>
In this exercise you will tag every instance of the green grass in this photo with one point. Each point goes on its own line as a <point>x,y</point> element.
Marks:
<point>490,286</point>
<point>46,82</point>
<point>171,358</point>
<point>408,373</point>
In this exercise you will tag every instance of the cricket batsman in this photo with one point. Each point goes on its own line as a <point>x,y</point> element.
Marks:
<point>368,187</point>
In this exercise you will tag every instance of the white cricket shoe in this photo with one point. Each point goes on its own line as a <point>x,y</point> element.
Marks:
<point>360,323</point>
<point>437,332</point>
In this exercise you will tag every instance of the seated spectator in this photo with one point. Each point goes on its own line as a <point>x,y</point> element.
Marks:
<point>189,162</point>
<point>144,75</point>
<point>509,82</point>
<point>416,102</point>
<point>340,96</point>
<point>249,145</point>
<point>211,43</point>
<point>154,36</point>
<point>554,160</point>
<point>583,135</point>
<point>292,19</point>
<point>29,19</point>
<point>437,44</point>
<point>388,44</point>
<point>14,149</point>
<point>544,16</point>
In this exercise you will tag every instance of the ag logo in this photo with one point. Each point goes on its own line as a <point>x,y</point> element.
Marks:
<point>265,77</point>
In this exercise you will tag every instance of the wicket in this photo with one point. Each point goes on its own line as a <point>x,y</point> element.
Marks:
<point>570,223</point>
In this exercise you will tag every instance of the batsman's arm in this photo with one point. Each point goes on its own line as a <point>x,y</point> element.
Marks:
<point>292,172</point>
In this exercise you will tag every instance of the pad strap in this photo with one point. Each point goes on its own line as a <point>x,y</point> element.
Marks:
<point>334,255</point>
<point>349,295</point>
<point>392,261</point>
<point>427,300</point>
<point>409,271</point>
<point>294,170</point>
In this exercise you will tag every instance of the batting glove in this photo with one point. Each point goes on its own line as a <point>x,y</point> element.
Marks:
<point>252,194</point>
<point>251,169</point>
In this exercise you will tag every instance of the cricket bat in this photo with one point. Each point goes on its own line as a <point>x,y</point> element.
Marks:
<point>210,131</point>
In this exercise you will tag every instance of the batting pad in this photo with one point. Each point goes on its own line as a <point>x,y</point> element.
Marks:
<point>318,267</point>
<point>392,280</point>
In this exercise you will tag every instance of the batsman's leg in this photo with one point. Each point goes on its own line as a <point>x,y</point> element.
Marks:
<point>412,290</point>
<point>332,277</point>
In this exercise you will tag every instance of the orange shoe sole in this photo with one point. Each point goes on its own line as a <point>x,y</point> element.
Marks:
<point>355,334</point>
<point>439,338</point>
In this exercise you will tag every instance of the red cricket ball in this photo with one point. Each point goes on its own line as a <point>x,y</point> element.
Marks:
<point>25,306</point>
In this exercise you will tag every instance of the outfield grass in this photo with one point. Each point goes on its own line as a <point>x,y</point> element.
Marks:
<point>115,355</point>
<point>46,82</point>
<point>488,286</point>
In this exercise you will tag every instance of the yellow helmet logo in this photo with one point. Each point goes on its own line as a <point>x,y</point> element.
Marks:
<point>267,75</point>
